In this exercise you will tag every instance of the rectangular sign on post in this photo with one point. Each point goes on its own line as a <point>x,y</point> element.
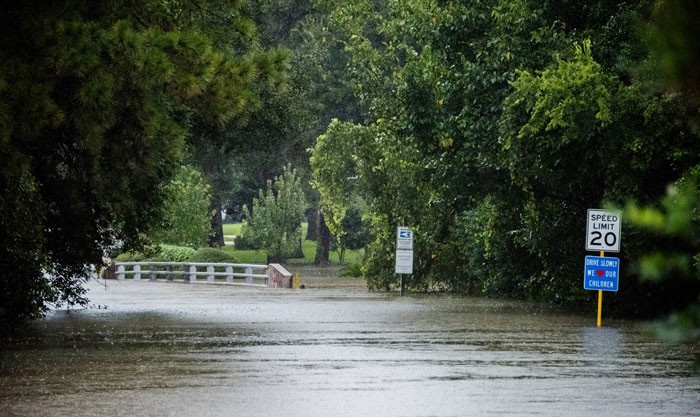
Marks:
<point>404,262</point>
<point>603,230</point>
<point>601,273</point>
<point>404,250</point>
<point>404,238</point>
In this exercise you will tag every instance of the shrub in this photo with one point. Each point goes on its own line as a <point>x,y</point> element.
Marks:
<point>169,253</point>
<point>274,223</point>
<point>351,270</point>
<point>147,253</point>
<point>130,257</point>
<point>243,243</point>
<point>211,255</point>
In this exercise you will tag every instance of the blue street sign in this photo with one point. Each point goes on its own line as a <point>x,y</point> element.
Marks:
<point>601,273</point>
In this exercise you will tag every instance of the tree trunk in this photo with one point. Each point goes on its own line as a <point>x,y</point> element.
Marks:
<point>324,243</point>
<point>210,166</point>
<point>299,251</point>
<point>313,222</point>
<point>216,240</point>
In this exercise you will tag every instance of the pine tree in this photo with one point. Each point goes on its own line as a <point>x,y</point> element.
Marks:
<point>97,101</point>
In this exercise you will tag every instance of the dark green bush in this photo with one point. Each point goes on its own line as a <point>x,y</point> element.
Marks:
<point>169,253</point>
<point>351,270</point>
<point>211,255</point>
<point>243,243</point>
<point>130,257</point>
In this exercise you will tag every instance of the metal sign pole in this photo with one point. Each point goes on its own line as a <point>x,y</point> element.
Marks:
<point>404,255</point>
<point>600,299</point>
<point>603,233</point>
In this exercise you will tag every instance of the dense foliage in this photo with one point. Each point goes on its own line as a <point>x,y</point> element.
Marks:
<point>172,253</point>
<point>290,119</point>
<point>274,222</point>
<point>97,102</point>
<point>491,127</point>
<point>186,217</point>
<point>488,126</point>
<point>674,38</point>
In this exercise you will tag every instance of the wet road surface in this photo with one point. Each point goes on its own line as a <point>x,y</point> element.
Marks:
<point>173,349</point>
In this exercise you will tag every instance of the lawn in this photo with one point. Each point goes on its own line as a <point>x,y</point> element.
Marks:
<point>308,247</point>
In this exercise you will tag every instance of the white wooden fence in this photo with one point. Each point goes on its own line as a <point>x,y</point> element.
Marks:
<point>235,274</point>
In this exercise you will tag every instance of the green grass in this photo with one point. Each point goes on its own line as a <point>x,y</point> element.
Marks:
<point>308,247</point>
<point>233,229</point>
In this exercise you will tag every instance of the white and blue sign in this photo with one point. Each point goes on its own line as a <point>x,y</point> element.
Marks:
<point>404,250</point>
<point>601,273</point>
<point>404,238</point>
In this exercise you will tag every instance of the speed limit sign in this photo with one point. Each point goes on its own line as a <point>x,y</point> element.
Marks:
<point>603,230</point>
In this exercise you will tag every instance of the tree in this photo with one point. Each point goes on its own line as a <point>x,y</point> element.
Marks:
<point>676,224</point>
<point>491,133</point>
<point>323,247</point>
<point>336,175</point>
<point>186,211</point>
<point>672,35</point>
<point>430,78</point>
<point>356,233</point>
<point>97,101</point>
<point>290,119</point>
<point>335,171</point>
<point>274,223</point>
<point>673,39</point>
<point>575,124</point>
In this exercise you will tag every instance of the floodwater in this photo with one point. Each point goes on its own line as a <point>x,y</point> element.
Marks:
<point>174,349</point>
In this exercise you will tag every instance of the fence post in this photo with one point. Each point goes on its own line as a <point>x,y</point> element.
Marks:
<point>248,275</point>
<point>185,270</point>
<point>210,270</point>
<point>193,273</point>
<point>229,273</point>
<point>137,272</point>
<point>278,277</point>
<point>152,272</point>
<point>169,274</point>
<point>120,272</point>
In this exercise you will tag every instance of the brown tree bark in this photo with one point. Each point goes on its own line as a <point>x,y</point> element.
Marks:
<point>324,243</point>
<point>216,240</point>
<point>312,219</point>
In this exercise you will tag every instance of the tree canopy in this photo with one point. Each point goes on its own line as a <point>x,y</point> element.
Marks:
<point>97,101</point>
<point>274,222</point>
<point>186,211</point>
<point>494,126</point>
<point>489,127</point>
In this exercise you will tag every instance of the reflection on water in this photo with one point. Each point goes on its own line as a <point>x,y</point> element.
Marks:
<point>162,349</point>
<point>603,342</point>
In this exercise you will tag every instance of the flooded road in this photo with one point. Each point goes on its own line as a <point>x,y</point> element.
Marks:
<point>172,349</point>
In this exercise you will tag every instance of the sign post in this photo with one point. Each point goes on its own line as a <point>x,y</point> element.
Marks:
<point>602,234</point>
<point>404,253</point>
